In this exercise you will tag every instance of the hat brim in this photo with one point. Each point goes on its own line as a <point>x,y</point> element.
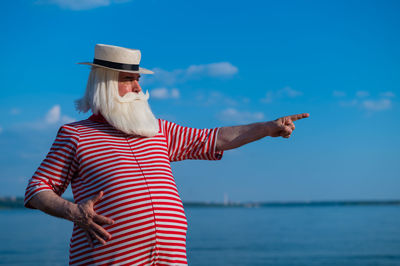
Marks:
<point>140,71</point>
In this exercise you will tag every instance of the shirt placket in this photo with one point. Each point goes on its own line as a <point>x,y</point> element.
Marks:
<point>131,148</point>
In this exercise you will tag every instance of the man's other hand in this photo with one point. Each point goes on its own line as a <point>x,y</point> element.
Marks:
<point>284,126</point>
<point>86,218</point>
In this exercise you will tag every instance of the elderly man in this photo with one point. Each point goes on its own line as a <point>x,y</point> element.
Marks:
<point>127,209</point>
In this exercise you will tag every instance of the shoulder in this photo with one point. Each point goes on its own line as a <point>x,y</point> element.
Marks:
<point>81,125</point>
<point>164,122</point>
<point>166,125</point>
<point>74,128</point>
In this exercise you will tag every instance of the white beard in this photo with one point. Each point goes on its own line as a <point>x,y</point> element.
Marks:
<point>131,114</point>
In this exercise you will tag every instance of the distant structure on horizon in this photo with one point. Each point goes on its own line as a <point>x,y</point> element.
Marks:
<point>18,203</point>
<point>226,199</point>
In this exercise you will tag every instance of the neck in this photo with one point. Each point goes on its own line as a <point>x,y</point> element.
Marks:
<point>98,118</point>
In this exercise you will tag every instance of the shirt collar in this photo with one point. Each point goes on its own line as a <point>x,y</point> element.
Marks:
<point>98,118</point>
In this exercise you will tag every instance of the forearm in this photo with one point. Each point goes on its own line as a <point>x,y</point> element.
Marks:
<point>50,203</point>
<point>236,136</point>
<point>82,214</point>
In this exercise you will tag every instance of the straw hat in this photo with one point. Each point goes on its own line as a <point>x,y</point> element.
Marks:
<point>117,58</point>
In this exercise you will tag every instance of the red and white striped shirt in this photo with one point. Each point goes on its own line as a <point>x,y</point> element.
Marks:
<point>140,193</point>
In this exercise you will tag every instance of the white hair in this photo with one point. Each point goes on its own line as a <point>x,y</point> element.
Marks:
<point>101,87</point>
<point>130,113</point>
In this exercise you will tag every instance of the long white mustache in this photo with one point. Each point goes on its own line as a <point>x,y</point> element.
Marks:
<point>132,96</point>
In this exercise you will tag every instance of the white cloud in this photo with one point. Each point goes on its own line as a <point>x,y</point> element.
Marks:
<point>210,98</point>
<point>282,93</point>
<point>288,91</point>
<point>52,118</point>
<point>388,94</point>
<point>362,94</point>
<point>15,111</point>
<point>222,69</point>
<point>159,93</point>
<point>164,93</point>
<point>353,102</point>
<point>364,101</point>
<point>377,105</point>
<point>269,96</point>
<point>169,78</point>
<point>163,77</point>
<point>65,119</point>
<point>175,93</point>
<point>80,4</point>
<point>339,93</point>
<point>53,115</point>
<point>233,115</point>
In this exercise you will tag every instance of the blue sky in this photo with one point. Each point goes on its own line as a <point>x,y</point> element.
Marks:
<point>221,63</point>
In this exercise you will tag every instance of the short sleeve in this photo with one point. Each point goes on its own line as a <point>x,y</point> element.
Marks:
<point>191,143</point>
<point>59,166</point>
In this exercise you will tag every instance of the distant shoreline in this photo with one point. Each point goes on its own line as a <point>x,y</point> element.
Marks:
<point>18,203</point>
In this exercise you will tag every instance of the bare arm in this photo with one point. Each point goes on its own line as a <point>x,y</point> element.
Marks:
<point>81,214</point>
<point>50,203</point>
<point>236,136</point>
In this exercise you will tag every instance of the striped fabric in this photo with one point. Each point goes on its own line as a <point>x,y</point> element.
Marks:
<point>140,193</point>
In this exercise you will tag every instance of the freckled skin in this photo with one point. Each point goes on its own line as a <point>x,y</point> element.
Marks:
<point>128,82</point>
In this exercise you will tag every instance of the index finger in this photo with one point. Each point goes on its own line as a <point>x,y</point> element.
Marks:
<point>299,116</point>
<point>100,219</point>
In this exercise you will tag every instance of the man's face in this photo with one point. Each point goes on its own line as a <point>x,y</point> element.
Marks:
<point>128,111</point>
<point>128,82</point>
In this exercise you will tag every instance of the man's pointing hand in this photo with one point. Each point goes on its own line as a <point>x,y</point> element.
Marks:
<point>86,218</point>
<point>284,126</point>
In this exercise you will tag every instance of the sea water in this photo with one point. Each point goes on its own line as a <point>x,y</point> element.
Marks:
<point>284,235</point>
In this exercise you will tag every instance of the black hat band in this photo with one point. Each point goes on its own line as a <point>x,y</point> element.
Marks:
<point>116,65</point>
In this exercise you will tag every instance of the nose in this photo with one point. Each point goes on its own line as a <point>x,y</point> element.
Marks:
<point>136,87</point>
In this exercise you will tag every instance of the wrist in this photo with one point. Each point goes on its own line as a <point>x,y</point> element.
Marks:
<point>268,127</point>
<point>71,212</point>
